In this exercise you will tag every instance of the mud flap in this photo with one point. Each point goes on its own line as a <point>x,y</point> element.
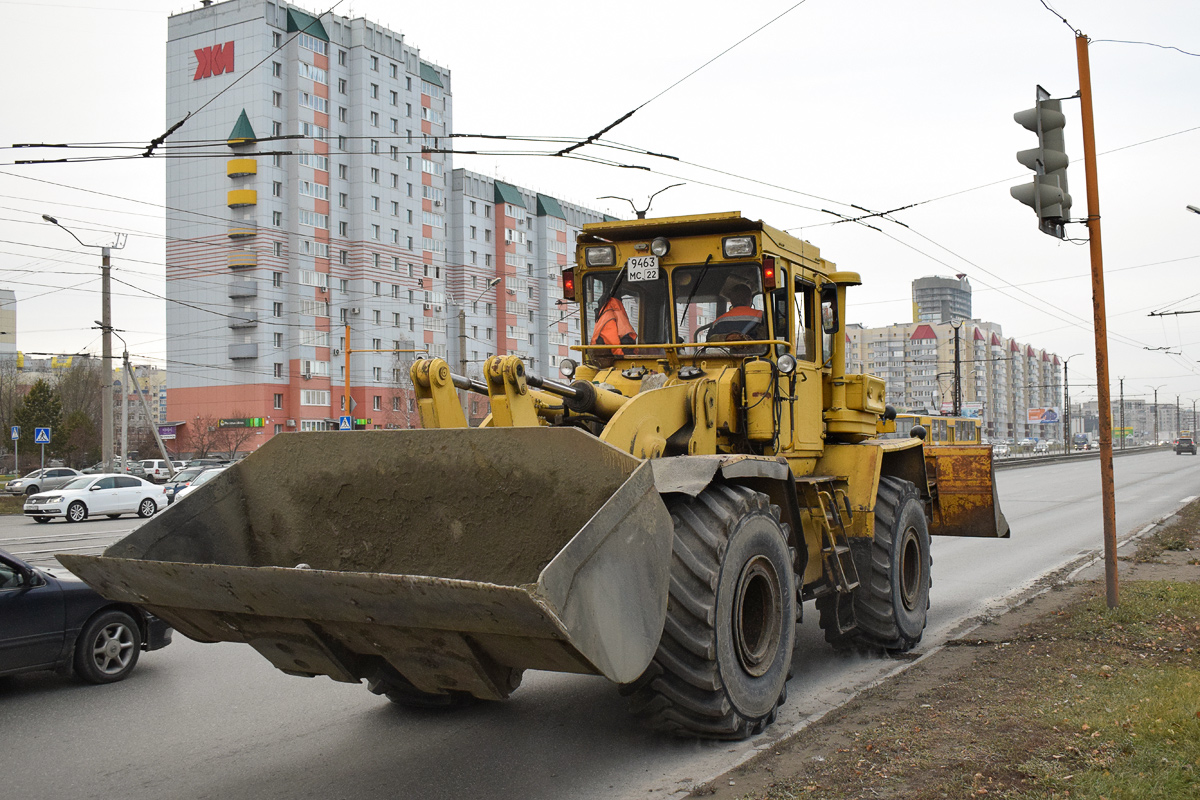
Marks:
<point>962,483</point>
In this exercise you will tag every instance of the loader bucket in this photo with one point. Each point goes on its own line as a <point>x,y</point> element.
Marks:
<point>963,483</point>
<point>456,558</point>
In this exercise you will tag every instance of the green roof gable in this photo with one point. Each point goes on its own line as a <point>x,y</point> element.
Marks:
<point>507,193</point>
<point>242,130</point>
<point>429,75</point>
<point>297,20</point>
<point>607,218</point>
<point>549,207</point>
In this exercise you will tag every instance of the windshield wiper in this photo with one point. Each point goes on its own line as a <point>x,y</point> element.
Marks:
<point>695,287</point>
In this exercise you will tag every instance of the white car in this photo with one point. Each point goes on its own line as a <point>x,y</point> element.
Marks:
<point>199,480</point>
<point>93,495</point>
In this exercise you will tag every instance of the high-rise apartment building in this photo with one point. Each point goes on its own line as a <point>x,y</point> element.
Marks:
<point>322,198</point>
<point>315,199</point>
<point>937,299</point>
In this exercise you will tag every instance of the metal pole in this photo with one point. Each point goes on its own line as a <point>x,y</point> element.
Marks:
<point>1177,425</point>
<point>1108,492</point>
<point>1067,447</point>
<point>1122,413</point>
<point>346,399</point>
<point>106,405</point>
<point>162,448</point>
<point>125,413</point>
<point>957,372</point>
<point>462,357</point>
<point>1156,417</point>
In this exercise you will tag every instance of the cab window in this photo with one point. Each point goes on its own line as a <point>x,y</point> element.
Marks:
<point>619,311</point>
<point>718,306</point>
<point>803,321</point>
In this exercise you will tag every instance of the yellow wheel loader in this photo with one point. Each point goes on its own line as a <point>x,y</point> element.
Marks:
<point>659,513</point>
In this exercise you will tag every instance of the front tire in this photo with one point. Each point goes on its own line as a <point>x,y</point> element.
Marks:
<point>892,600</point>
<point>722,664</point>
<point>108,648</point>
<point>41,519</point>
<point>76,512</point>
<point>31,490</point>
<point>147,508</point>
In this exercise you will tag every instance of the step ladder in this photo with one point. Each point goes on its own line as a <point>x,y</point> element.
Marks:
<point>829,508</point>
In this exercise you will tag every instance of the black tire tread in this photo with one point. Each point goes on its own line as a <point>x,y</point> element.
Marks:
<point>874,614</point>
<point>681,691</point>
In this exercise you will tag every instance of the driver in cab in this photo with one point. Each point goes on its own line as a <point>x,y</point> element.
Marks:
<point>742,321</point>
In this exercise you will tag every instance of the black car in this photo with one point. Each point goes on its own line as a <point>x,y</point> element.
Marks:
<point>182,478</point>
<point>1185,445</point>
<point>54,621</point>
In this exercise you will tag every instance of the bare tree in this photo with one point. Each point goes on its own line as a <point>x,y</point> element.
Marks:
<point>200,435</point>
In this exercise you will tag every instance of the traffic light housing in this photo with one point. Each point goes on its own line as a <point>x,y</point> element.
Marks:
<point>1047,195</point>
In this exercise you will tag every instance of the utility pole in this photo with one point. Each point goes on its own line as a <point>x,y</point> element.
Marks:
<point>1156,388</point>
<point>106,400</point>
<point>1122,413</point>
<point>1177,425</point>
<point>957,325</point>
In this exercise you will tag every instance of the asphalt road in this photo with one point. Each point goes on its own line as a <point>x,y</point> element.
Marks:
<point>217,721</point>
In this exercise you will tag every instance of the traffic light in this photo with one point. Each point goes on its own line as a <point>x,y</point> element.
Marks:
<point>1047,194</point>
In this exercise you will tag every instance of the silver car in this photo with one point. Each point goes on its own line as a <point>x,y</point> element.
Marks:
<point>41,480</point>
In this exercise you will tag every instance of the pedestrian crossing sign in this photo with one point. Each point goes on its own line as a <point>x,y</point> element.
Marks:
<point>345,423</point>
<point>41,436</point>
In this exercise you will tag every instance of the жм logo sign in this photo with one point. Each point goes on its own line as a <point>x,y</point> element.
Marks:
<point>214,60</point>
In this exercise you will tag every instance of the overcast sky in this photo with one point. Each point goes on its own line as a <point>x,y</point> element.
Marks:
<point>836,103</point>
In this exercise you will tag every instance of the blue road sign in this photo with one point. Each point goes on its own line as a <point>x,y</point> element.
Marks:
<point>41,436</point>
<point>345,423</point>
<point>16,432</point>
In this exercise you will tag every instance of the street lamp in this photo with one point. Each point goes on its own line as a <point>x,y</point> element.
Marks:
<point>106,327</point>
<point>1067,401</point>
<point>1156,388</point>
<point>1193,209</point>
<point>462,337</point>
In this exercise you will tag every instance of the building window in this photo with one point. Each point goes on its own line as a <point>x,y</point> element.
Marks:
<point>276,309</point>
<point>276,69</point>
<point>278,370</point>
<point>277,248</point>
<point>342,171</point>
<point>277,219</point>
<point>278,402</point>
<point>377,375</point>
<point>276,189</point>
<point>374,171</point>
<point>342,114</point>
<point>343,227</point>
<point>343,199</point>
<point>374,123</point>
<point>343,284</point>
<point>377,405</point>
<point>376,344</point>
<point>376,285</point>
<point>342,85</point>
<point>375,63</point>
<point>341,58</point>
<point>278,338</point>
<point>276,39</point>
<point>277,277</point>
<point>277,99</point>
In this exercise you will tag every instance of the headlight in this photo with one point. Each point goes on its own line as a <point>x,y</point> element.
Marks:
<point>601,256</point>
<point>738,246</point>
<point>660,247</point>
<point>566,368</point>
<point>55,499</point>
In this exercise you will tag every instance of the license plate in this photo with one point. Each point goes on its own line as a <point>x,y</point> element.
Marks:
<point>642,268</point>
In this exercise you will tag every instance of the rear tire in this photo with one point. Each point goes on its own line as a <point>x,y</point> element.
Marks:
<point>147,508</point>
<point>723,660</point>
<point>892,599</point>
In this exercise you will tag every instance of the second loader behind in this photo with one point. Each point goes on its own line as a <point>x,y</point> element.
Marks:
<point>658,514</point>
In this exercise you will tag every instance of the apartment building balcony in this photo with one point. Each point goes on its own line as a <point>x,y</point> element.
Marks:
<point>241,288</point>
<point>243,350</point>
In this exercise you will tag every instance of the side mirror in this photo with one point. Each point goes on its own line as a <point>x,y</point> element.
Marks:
<point>94,488</point>
<point>829,309</point>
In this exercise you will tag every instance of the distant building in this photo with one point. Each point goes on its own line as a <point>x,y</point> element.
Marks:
<point>8,324</point>
<point>937,299</point>
<point>1014,388</point>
